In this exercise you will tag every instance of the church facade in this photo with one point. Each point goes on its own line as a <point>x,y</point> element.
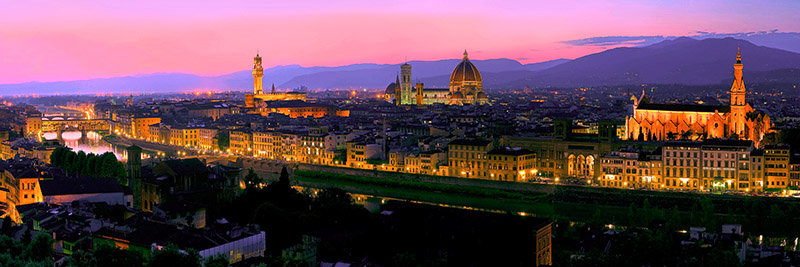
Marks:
<point>466,87</point>
<point>656,122</point>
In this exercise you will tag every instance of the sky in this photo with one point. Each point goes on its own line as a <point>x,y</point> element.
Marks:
<point>74,40</point>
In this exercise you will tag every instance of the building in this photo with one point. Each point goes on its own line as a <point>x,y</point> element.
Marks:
<point>188,136</point>
<point>297,109</point>
<point>181,213</point>
<point>568,154</point>
<point>140,126</point>
<point>258,95</point>
<point>630,168</point>
<point>682,167</point>
<point>208,138</point>
<point>358,152</point>
<point>794,171</point>
<point>466,84</point>
<point>66,190</point>
<point>241,142</point>
<point>33,126</point>
<point>466,87</point>
<point>431,162</point>
<point>236,243</point>
<point>727,164</point>
<point>652,121</point>
<point>511,164</point>
<point>311,149</point>
<point>776,166</point>
<point>160,133</point>
<point>467,157</point>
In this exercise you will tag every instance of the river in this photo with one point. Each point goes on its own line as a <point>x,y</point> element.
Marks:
<point>91,142</point>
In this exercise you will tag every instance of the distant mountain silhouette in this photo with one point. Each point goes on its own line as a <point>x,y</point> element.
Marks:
<point>382,75</point>
<point>366,75</point>
<point>676,61</point>
<point>679,61</point>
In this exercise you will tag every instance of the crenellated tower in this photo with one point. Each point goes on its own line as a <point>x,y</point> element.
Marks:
<point>258,74</point>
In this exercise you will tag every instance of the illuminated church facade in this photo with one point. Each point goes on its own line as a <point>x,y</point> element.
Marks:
<point>466,87</point>
<point>654,121</point>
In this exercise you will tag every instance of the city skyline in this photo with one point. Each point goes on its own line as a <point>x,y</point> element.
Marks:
<point>84,40</point>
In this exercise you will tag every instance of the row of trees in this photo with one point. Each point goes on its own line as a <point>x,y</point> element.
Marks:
<point>285,214</point>
<point>38,252</point>
<point>104,165</point>
<point>171,255</point>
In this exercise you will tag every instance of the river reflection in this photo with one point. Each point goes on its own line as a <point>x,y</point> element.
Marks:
<point>91,142</point>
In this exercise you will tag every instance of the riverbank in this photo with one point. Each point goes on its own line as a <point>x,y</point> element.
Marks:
<point>577,204</point>
<point>148,147</point>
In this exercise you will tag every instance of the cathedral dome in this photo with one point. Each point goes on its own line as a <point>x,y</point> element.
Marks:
<point>465,72</point>
<point>457,95</point>
<point>390,89</point>
<point>482,95</point>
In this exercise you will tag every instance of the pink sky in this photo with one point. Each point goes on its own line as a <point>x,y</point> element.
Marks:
<point>73,40</point>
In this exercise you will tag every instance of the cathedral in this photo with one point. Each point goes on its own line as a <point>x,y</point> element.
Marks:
<point>466,87</point>
<point>653,121</point>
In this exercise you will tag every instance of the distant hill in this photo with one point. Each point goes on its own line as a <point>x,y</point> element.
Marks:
<point>366,75</point>
<point>679,61</point>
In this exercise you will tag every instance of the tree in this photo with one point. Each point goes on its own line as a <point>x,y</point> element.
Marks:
<point>39,248</point>
<point>223,140</point>
<point>284,178</point>
<point>79,165</point>
<point>217,261</point>
<point>109,255</point>
<point>80,258</point>
<point>251,180</point>
<point>287,260</point>
<point>58,155</point>
<point>333,194</point>
<point>172,256</point>
<point>707,215</point>
<point>68,160</point>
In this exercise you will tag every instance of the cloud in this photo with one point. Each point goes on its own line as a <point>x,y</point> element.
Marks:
<point>772,38</point>
<point>615,41</point>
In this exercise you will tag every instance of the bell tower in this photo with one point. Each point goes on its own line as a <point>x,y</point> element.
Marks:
<point>405,84</point>
<point>258,73</point>
<point>737,118</point>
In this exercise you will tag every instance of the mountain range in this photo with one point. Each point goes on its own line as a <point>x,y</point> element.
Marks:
<point>677,61</point>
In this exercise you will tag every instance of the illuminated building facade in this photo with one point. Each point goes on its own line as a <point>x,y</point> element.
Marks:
<point>208,138</point>
<point>628,168</point>
<point>140,126</point>
<point>727,165</point>
<point>184,136</point>
<point>297,109</point>
<point>776,166</point>
<point>468,159</point>
<point>466,84</point>
<point>512,165</point>
<point>258,95</point>
<point>241,142</point>
<point>466,87</point>
<point>652,121</point>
